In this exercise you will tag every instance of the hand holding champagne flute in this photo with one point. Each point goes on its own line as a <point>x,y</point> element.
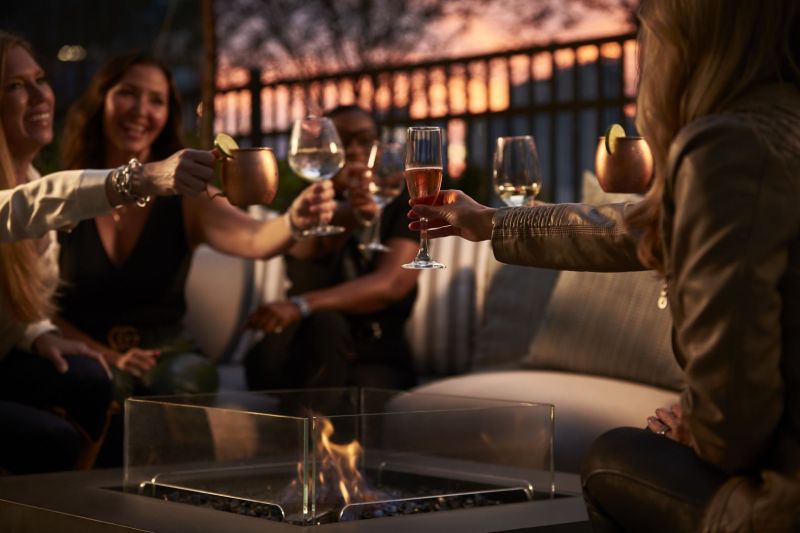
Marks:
<point>423,179</point>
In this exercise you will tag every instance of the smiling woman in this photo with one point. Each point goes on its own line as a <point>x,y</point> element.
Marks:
<point>39,370</point>
<point>125,273</point>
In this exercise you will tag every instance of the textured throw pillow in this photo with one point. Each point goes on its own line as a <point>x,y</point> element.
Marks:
<point>607,324</point>
<point>593,194</point>
<point>516,300</point>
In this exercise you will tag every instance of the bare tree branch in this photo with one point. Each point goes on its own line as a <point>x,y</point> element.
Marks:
<point>317,36</point>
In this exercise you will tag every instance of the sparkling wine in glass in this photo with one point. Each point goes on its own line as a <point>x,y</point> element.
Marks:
<point>315,154</point>
<point>423,179</point>
<point>516,174</point>
<point>385,166</point>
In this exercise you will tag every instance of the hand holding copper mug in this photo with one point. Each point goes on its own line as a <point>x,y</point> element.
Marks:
<point>249,176</point>
<point>623,164</point>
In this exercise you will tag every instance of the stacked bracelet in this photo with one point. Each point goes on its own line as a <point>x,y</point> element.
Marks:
<point>122,180</point>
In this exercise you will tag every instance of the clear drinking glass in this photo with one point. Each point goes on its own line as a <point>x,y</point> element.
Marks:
<point>385,166</point>
<point>424,180</point>
<point>516,174</point>
<point>315,154</point>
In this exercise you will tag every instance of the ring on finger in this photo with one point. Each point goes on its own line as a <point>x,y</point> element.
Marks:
<point>664,430</point>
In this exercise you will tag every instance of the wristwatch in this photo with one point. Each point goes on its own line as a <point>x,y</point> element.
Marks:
<point>302,305</point>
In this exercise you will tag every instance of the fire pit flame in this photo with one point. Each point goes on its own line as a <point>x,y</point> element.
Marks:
<point>338,465</point>
<point>339,480</point>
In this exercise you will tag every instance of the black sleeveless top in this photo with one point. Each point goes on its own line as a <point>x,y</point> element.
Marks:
<point>146,291</point>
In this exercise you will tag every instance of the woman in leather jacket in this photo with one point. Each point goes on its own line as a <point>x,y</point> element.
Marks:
<point>719,104</point>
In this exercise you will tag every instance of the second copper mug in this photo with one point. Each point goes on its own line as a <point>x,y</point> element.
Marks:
<point>628,170</point>
<point>249,176</point>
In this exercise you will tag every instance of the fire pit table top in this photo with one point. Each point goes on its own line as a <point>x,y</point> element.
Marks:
<point>89,502</point>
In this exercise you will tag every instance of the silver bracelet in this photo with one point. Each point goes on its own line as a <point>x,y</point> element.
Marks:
<point>302,305</point>
<point>122,180</point>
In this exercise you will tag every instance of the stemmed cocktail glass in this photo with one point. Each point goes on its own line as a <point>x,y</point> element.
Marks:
<point>385,166</point>
<point>516,174</point>
<point>315,154</point>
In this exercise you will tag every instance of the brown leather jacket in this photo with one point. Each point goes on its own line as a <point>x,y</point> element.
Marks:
<point>731,231</point>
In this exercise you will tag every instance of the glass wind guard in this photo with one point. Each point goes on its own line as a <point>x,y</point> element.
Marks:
<point>329,455</point>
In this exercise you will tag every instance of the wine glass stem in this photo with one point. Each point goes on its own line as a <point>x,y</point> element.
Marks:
<point>423,254</point>
<point>376,227</point>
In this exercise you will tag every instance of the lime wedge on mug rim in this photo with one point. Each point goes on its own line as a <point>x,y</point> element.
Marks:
<point>614,132</point>
<point>225,144</point>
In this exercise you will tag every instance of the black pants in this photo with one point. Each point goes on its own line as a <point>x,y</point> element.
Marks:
<point>327,350</point>
<point>635,480</point>
<point>34,439</point>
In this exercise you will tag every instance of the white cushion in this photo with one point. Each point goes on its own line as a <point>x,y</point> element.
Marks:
<point>216,291</point>
<point>444,322</point>
<point>585,406</point>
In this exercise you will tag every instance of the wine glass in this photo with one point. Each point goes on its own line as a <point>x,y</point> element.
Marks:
<point>315,154</point>
<point>385,167</point>
<point>516,173</point>
<point>423,179</point>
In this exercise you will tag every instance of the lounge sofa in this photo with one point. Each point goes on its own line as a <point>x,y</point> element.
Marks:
<point>594,345</point>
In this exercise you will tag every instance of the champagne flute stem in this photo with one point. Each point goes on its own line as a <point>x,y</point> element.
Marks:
<point>423,240</point>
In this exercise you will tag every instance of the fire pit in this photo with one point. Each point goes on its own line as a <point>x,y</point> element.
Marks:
<point>337,455</point>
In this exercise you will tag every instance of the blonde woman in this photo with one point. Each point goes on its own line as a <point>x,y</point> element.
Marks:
<point>40,370</point>
<point>719,103</point>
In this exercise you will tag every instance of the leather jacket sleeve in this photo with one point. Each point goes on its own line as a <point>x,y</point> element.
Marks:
<point>565,237</point>
<point>729,214</point>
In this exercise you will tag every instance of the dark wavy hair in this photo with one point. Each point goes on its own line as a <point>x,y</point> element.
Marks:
<point>84,142</point>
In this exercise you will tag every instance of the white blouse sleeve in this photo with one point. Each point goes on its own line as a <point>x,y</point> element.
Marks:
<point>33,331</point>
<point>28,211</point>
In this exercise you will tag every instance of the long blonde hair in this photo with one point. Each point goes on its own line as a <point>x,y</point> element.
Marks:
<point>26,287</point>
<point>696,58</point>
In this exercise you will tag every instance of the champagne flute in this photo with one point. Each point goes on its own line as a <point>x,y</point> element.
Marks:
<point>423,179</point>
<point>516,174</point>
<point>385,166</point>
<point>315,154</point>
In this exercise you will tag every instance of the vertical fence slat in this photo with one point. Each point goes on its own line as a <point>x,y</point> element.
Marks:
<point>553,116</point>
<point>576,134</point>
<point>255,107</point>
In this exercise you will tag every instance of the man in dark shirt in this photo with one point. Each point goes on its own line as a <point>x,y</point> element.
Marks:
<point>344,321</point>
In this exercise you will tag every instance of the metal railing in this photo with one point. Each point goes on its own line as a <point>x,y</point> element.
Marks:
<point>565,94</point>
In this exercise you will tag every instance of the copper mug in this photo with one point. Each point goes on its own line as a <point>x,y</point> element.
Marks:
<point>248,177</point>
<point>628,170</point>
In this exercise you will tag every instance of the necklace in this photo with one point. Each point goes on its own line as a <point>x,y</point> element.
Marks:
<point>117,215</point>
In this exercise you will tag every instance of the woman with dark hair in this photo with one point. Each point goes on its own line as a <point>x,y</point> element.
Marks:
<point>54,392</point>
<point>125,273</point>
<point>719,104</point>
<point>92,136</point>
